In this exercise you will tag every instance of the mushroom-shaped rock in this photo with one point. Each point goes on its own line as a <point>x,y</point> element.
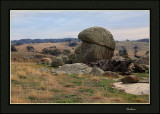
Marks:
<point>99,36</point>
<point>97,44</point>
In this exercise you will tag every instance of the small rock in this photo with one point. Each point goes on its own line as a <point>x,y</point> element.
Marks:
<point>57,62</point>
<point>76,68</point>
<point>47,61</point>
<point>112,74</point>
<point>130,79</point>
<point>117,80</point>
<point>139,68</point>
<point>44,69</point>
<point>146,67</point>
<point>96,71</point>
<point>143,60</point>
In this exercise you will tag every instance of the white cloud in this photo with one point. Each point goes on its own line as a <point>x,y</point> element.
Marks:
<point>131,34</point>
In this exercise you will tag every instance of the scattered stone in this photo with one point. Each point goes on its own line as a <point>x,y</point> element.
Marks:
<point>139,68</point>
<point>57,61</point>
<point>77,68</point>
<point>112,74</point>
<point>97,44</point>
<point>64,58</point>
<point>43,69</point>
<point>96,71</point>
<point>117,64</point>
<point>130,79</point>
<point>146,67</point>
<point>133,88</point>
<point>47,61</point>
<point>117,80</point>
<point>143,60</point>
<point>39,56</point>
<point>144,80</point>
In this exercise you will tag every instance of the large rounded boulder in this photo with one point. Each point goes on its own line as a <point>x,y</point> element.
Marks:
<point>99,36</point>
<point>97,44</point>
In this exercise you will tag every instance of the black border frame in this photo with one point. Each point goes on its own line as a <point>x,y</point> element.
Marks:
<point>6,6</point>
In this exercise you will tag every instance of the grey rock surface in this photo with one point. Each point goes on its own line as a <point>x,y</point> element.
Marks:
<point>134,88</point>
<point>96,71</point>
<point>97,44</point>
<point>99,36</point>
<point>57,61</point>
<point>143,60</point>
<point>77,68</point>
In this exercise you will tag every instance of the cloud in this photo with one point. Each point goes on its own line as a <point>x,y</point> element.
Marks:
<point>60,23</point>
<point>131,34</point>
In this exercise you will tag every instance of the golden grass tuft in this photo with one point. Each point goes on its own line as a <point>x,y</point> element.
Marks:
<point>17,99</point>
<point>98,95</point>
<point>14,77</point>
<point>60,75</point>
<point>80,75</point>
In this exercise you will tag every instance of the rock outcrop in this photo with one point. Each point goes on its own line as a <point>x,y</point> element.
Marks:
<point>76,68</point>
<point>97,44</point>
<point>116,64</point>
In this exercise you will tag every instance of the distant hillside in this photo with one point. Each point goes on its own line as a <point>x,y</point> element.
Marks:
<point>142,40</point>
<point>29,41</point>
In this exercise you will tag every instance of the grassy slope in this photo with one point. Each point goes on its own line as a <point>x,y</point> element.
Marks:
<point>31,85</point>
<point>143,47</point>
<point>39,46</point>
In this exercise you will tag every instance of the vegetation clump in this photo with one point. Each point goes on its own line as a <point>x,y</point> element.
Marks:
<point>13,49</point>
<point>30,48</point>
<point>54,52</point>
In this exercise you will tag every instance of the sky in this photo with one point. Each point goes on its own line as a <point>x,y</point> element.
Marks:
<point>44,24</point>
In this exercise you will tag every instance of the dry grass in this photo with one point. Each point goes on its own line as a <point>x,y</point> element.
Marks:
<point>31,85</point>
<point>98,95</point>
<point>39,46</point>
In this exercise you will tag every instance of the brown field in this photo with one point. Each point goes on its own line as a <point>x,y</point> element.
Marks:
<point>143,47</point>
<point>39,46</point>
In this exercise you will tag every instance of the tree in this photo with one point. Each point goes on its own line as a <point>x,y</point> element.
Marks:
<point>55,52</point>
<point>19,43</point>
<point>135,51</point>
<point>147,52</point>
<point>13,49</point>
<point>66,51</point>
<point>123,52</point>
<point>30,48</point>
<point>72,44</point>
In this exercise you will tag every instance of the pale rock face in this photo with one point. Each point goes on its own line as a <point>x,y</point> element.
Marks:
<point>133,88</point>
<point>77,68</point>
<point>97,71</point>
